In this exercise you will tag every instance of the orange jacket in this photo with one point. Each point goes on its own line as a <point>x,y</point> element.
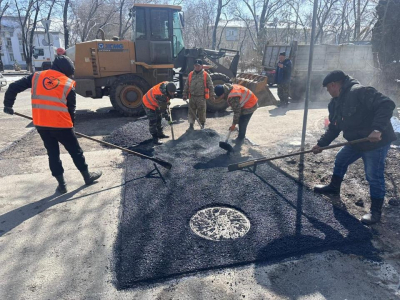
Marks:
<point>247,98</point>
<point>206,90</point>
<point>49,99</point>
<point>149,100</point>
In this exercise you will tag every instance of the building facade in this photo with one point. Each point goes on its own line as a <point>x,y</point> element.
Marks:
<point>11,42</point>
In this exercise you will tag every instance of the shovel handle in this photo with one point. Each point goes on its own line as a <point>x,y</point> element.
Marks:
<point>197,119</point>
<point>250,163</point>
<point>156,160</point>
<point>227,138</point>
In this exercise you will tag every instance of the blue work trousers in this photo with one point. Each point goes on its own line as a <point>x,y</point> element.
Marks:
<point>374,166</point>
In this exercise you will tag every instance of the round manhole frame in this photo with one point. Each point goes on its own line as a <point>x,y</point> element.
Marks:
<point>235,217</point>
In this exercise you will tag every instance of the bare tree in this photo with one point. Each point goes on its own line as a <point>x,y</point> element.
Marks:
<point>28,27</point>
<point>221,5</point>
<point>3,8</point>
<point>65,24</point>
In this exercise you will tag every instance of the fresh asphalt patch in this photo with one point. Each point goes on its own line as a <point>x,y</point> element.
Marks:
<point>198,216</point>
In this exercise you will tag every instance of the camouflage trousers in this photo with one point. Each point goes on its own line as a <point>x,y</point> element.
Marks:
<point>283,92</point>
<point>155,118</point>
<point>197,105</point>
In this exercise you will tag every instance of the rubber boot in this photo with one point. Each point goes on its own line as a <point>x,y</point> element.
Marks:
<point>156,141</point>
<point>332,188</point>
<point>191,127</point>
<point>90,177</point>
<point>162,135</point>
<point>62,186</point>
<point>374,216</point>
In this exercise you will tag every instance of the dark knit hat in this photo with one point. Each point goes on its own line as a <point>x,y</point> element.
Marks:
<point>171,87</point>
<point>282,53</point>
<point>198,62</point>
<point>218,90</point>
<point>334,76</point>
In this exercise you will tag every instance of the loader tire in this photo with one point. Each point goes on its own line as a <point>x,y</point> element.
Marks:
<point>126,95</point>
<point>221,105</point>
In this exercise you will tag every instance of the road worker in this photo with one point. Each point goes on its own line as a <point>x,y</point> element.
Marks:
<point>243,102</point>
<point>359,112</point>
<point>53,111</point>
<point>198,88</point>
<point>155,104</point>
<point>282,78</point>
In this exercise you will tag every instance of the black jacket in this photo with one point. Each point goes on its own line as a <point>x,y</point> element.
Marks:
<point>357,112</point>
<point>61,64</point>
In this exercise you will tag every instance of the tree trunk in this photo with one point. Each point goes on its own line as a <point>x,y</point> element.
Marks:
<point>65,24</point>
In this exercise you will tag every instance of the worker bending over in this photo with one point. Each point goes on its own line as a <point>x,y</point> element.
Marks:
<point>155,104</point>
<point>244,103</point>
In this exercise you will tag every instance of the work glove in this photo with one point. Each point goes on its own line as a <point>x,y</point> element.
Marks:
<point>232,128</point>
<point>8,110</point>
<point>184,98</point>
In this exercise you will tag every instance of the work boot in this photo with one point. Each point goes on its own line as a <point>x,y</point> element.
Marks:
<point>62,186</point>
<point>332,188</point>
<point>90,177</point>
<point>374,216</point>
<point>162,135</point>
<point>156,141</point>
<point>191,127</point>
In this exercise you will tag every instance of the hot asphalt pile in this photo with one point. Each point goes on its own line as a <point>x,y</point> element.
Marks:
<point>156,241</point>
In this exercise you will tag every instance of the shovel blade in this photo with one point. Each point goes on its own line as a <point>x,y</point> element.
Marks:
<point>226,146</point>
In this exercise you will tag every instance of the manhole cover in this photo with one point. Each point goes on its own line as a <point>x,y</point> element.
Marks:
<point>219,224</point>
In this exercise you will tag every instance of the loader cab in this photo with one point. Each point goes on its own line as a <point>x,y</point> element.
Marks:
<point>157,33</point>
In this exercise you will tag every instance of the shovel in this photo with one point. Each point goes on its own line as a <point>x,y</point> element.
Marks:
<point>197,118</point>
<point>163,163</point>
<point>255,162</point>
<point>170,123</point>
<point>225,145</point>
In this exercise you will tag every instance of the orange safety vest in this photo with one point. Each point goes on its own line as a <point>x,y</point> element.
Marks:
<point>49,99</point>
<point>206,90</point>
<point>247,98</point>
<point>149,100</point>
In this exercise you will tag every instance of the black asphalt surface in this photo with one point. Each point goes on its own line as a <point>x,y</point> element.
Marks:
<point>155,240</point>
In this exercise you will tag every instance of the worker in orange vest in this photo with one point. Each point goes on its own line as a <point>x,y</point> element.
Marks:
<point>243,102</point>
<point>155,104</point>
<point>198,88</point>
<point>53,112</point>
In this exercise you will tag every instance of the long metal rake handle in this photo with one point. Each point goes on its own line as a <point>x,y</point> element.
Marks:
<point>250,163</point>
<point>156,160</point>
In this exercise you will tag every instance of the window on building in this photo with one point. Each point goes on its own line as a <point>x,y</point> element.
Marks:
<point>22,56</point>
<point>9,44</point>
<point>12,57</point>
<point>231,34</point>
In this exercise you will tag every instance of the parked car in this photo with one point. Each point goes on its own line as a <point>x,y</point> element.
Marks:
<point>271,76</point>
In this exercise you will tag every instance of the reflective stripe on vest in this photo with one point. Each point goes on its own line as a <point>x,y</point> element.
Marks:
<point>206,90</point>
<point>49,94</point>
<point>149,100</point>
<point>247,98</point>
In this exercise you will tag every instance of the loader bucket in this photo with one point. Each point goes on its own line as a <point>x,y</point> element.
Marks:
<point>258,84</point>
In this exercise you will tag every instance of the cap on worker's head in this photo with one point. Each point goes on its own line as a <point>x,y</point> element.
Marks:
<point>171,87</point>
<point>64,65</point>
<point>218,90</point>
<point>198,62</point>
<point>60,51</point>
<point>282,54</point>
<point>334,76</point>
